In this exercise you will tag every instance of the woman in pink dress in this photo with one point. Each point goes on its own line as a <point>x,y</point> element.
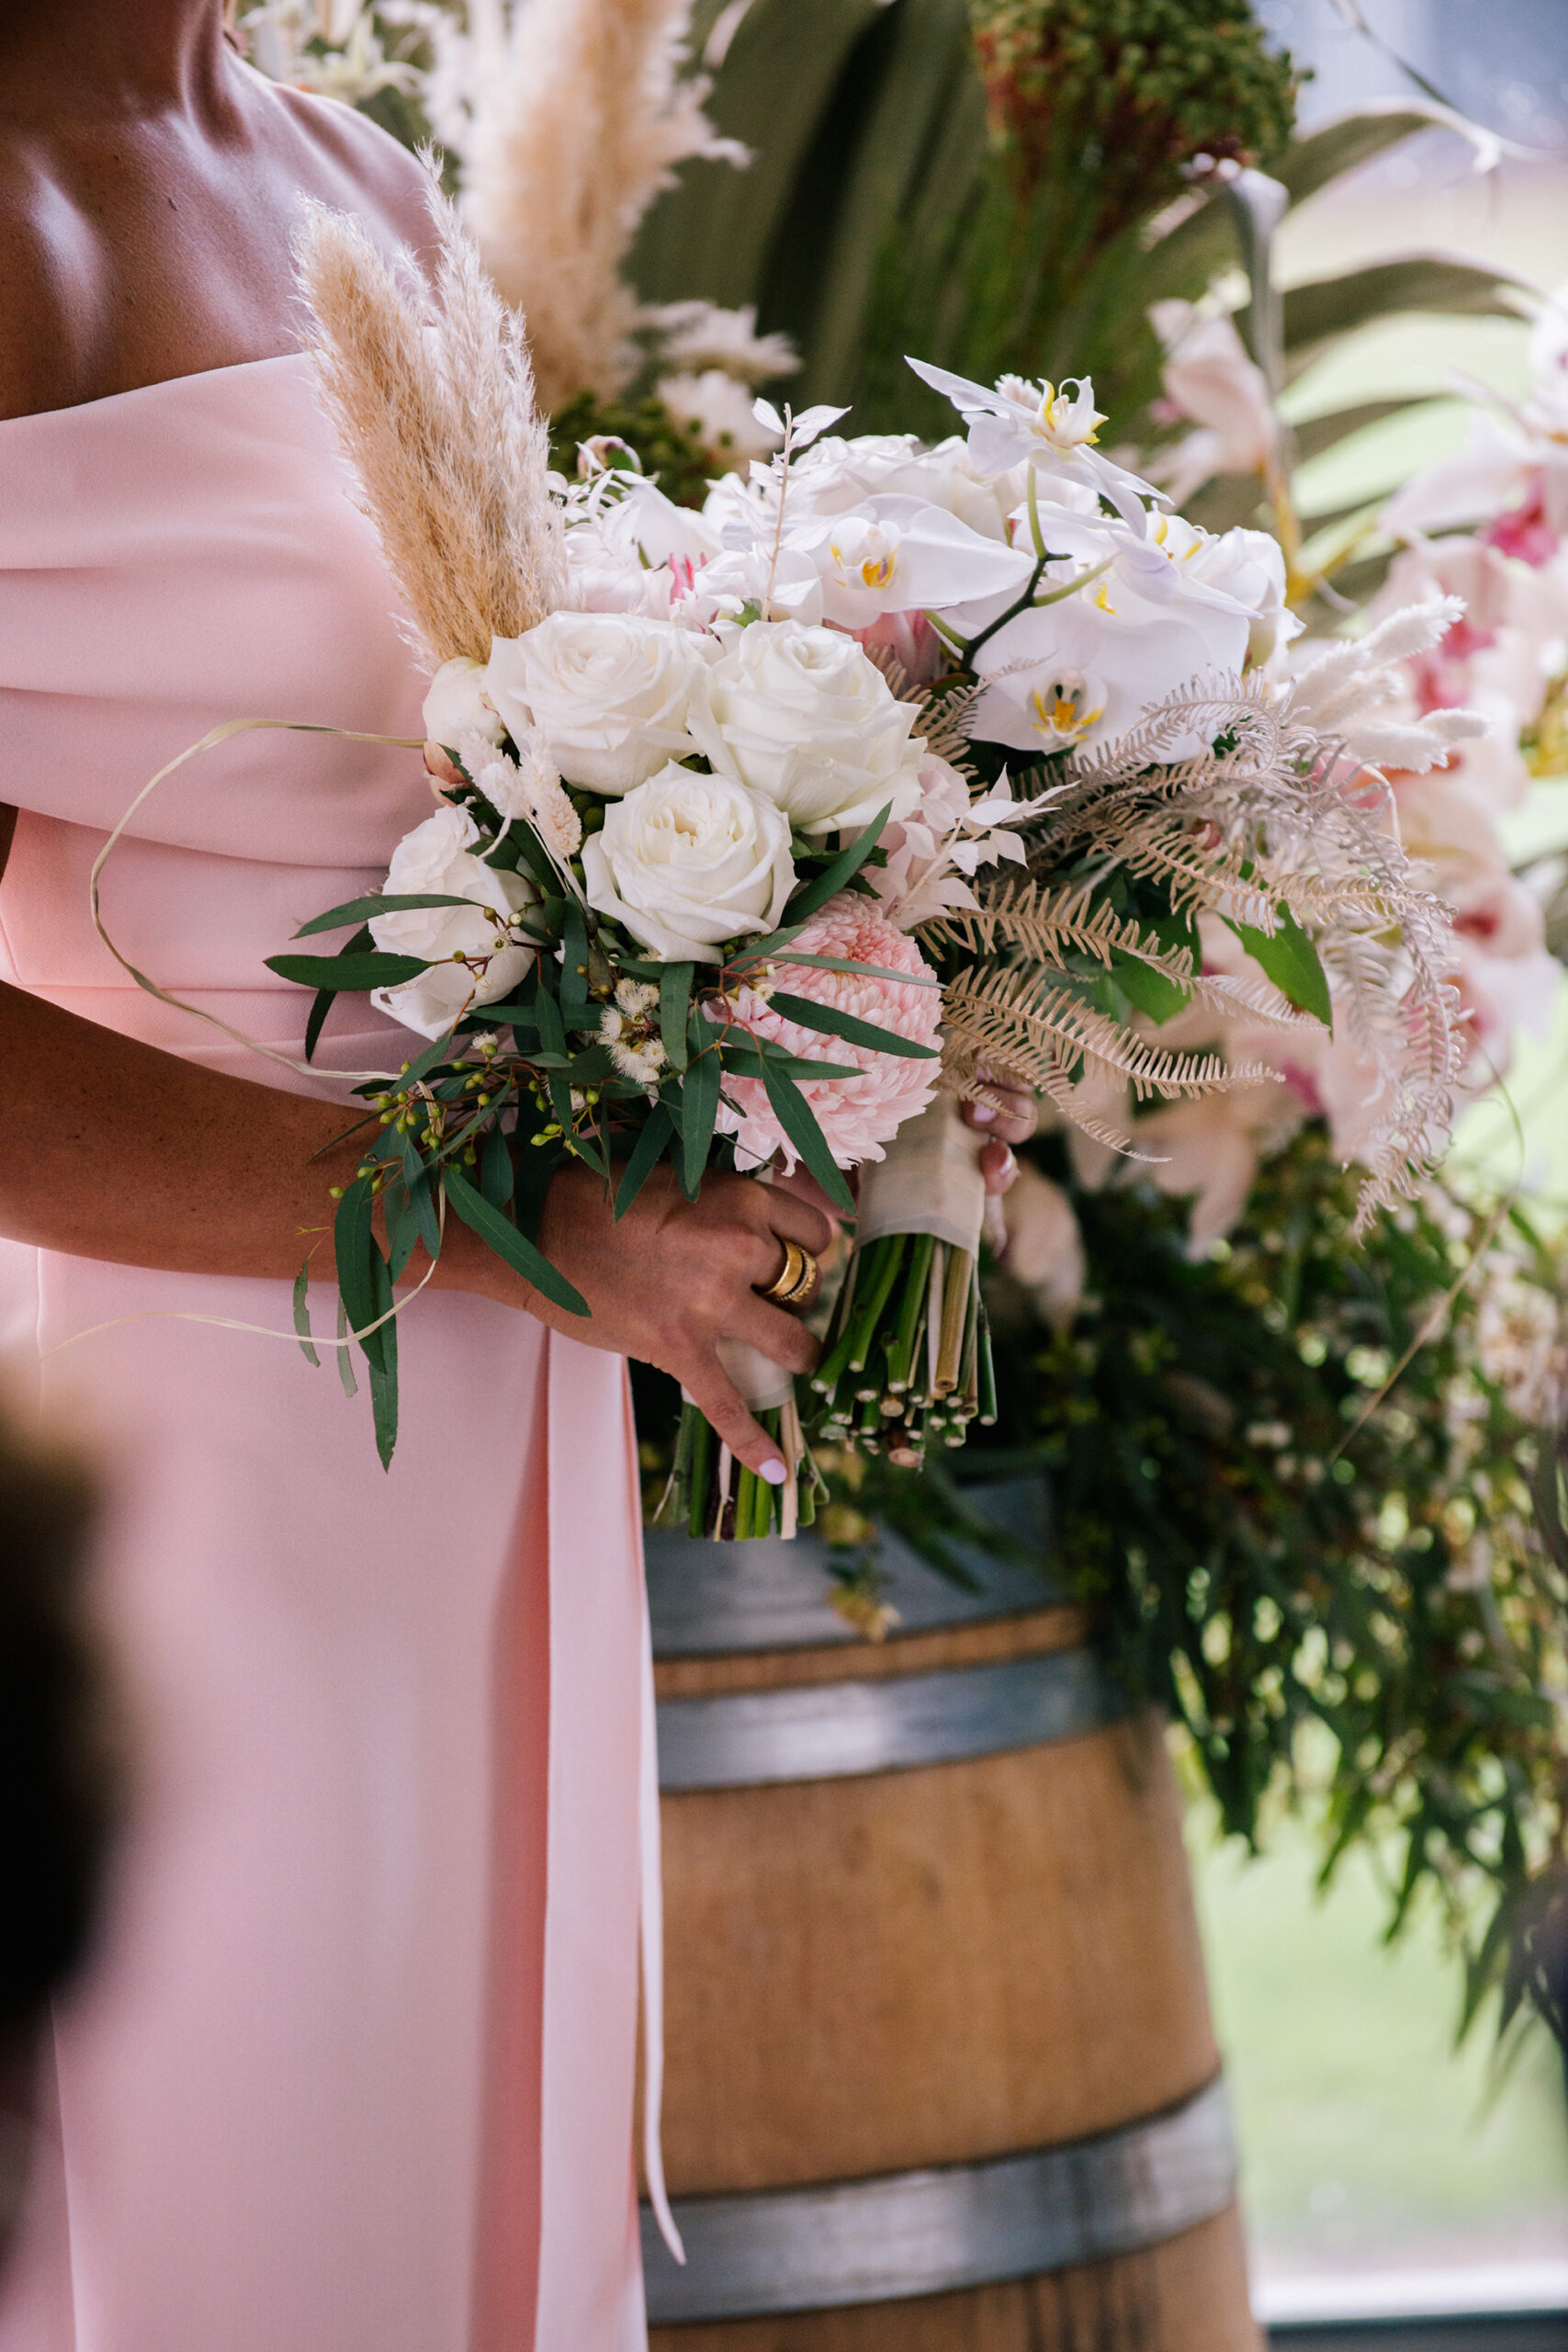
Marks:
<point>353,2071</point>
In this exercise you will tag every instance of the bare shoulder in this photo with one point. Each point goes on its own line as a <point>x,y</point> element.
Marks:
<point>47,263</point>
<point>360,165</point>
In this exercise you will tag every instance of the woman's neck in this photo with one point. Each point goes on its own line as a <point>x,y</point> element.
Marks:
<point>117,56</point>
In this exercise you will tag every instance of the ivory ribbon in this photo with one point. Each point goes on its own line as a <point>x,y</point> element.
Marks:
<point>760,1381</point>
<point>928,1182</point>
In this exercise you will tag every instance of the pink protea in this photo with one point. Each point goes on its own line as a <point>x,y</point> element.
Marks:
<point>856,1115</point>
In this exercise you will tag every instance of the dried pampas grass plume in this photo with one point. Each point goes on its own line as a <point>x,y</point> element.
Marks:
<point>579,116</point>
<point>430,388</point>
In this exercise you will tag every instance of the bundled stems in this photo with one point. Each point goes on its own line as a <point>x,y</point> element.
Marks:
<point>711,1494</point>
<point>907,1356</point>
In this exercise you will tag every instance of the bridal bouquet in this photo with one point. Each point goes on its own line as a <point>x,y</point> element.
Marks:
<point>766,833</point>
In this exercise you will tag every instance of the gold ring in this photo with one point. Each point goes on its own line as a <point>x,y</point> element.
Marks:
<point>796,1279</point>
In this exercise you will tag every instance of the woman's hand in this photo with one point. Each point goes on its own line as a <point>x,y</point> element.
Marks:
<point>1010,1118</point>
<point>670,1280</point>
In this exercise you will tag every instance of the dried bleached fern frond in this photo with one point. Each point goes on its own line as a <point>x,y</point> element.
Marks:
<point>1284,817</point>
<point>580,118</point>
<point>1027,1021</point>
<point>431,394</point>
<point>1046,922</point>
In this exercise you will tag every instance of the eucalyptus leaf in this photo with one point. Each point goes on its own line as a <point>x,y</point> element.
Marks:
<point>841,870</point>
<point>365,909</point>
<point>355,973</point>
<point>797,1117</point>
<point>699,1109</point>
<point>302,1314</point>
<point>674,1002</point>
<point>658,1132</point>
<point>344,1354</point>
<point>833,1022</point>
<point>354,1244</point>
<point>511,1246</point>
<point>495,1170</point>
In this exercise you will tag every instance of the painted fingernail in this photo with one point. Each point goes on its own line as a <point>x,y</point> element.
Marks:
<point>774,1473</point>
<point>982,1114</point>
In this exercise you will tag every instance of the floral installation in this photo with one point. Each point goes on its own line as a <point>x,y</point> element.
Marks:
<point>558,124</point>
<point>355,51</point>
<point>766,833</point>
<point>1275,1541</point>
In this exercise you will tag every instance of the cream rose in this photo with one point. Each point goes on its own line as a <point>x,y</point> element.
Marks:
<point>802,716</point>
<point>458,704</point>
<point>439,855</point>
<point>605,693</point>
<point>687,861</point>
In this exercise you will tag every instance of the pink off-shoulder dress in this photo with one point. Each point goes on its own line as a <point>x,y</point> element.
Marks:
<point>353,2069</point>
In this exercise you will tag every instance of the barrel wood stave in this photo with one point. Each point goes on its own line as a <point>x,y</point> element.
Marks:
<point>938,1965</point>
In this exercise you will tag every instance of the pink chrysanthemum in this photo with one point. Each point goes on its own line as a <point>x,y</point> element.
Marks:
<point>856,1115</point>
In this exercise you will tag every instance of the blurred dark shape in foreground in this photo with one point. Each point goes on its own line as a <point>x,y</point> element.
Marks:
<point>58,1765</point>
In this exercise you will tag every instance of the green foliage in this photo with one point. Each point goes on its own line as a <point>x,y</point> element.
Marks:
<point>1124,94</point>
<point>979,191</point>
<point>1265,1554</point>
<point>667,451</point>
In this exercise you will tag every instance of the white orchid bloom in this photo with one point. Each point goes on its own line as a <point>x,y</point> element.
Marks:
<point>838,475</point>
<point>1018,422</point>
<point>890,554</point>
<point>1512,471</point>
<point>1122,623</point>
<point>1486,474</point>
<point>1082,669</point>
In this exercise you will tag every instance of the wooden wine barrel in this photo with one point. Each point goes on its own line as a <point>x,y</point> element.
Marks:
<point>940,2075</point>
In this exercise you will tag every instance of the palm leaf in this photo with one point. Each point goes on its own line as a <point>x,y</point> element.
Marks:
<point>713,235</point>
<point>1339,147</point>
<point>1325,308</point>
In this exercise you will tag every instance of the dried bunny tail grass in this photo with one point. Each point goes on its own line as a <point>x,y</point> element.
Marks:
<point>585,118</point>
<point>432,396</point>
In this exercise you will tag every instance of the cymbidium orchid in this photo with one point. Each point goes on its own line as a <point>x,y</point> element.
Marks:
<point>1212,380</point>
<point>1511,475</point>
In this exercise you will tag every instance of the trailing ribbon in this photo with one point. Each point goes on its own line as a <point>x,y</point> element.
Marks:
<point>208,742</point>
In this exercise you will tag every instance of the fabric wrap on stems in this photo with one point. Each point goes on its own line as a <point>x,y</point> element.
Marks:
<point>764,1384</point>
<point>928,1182</point>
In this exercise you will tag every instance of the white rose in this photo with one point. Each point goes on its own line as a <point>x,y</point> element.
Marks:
<point>607,693</point>
<point>458,704</point>
<point>687,861</point>
<point>802,716</point>
<point>439,855</point>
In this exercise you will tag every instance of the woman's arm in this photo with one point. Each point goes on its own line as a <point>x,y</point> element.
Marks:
<point>121,1152</point>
